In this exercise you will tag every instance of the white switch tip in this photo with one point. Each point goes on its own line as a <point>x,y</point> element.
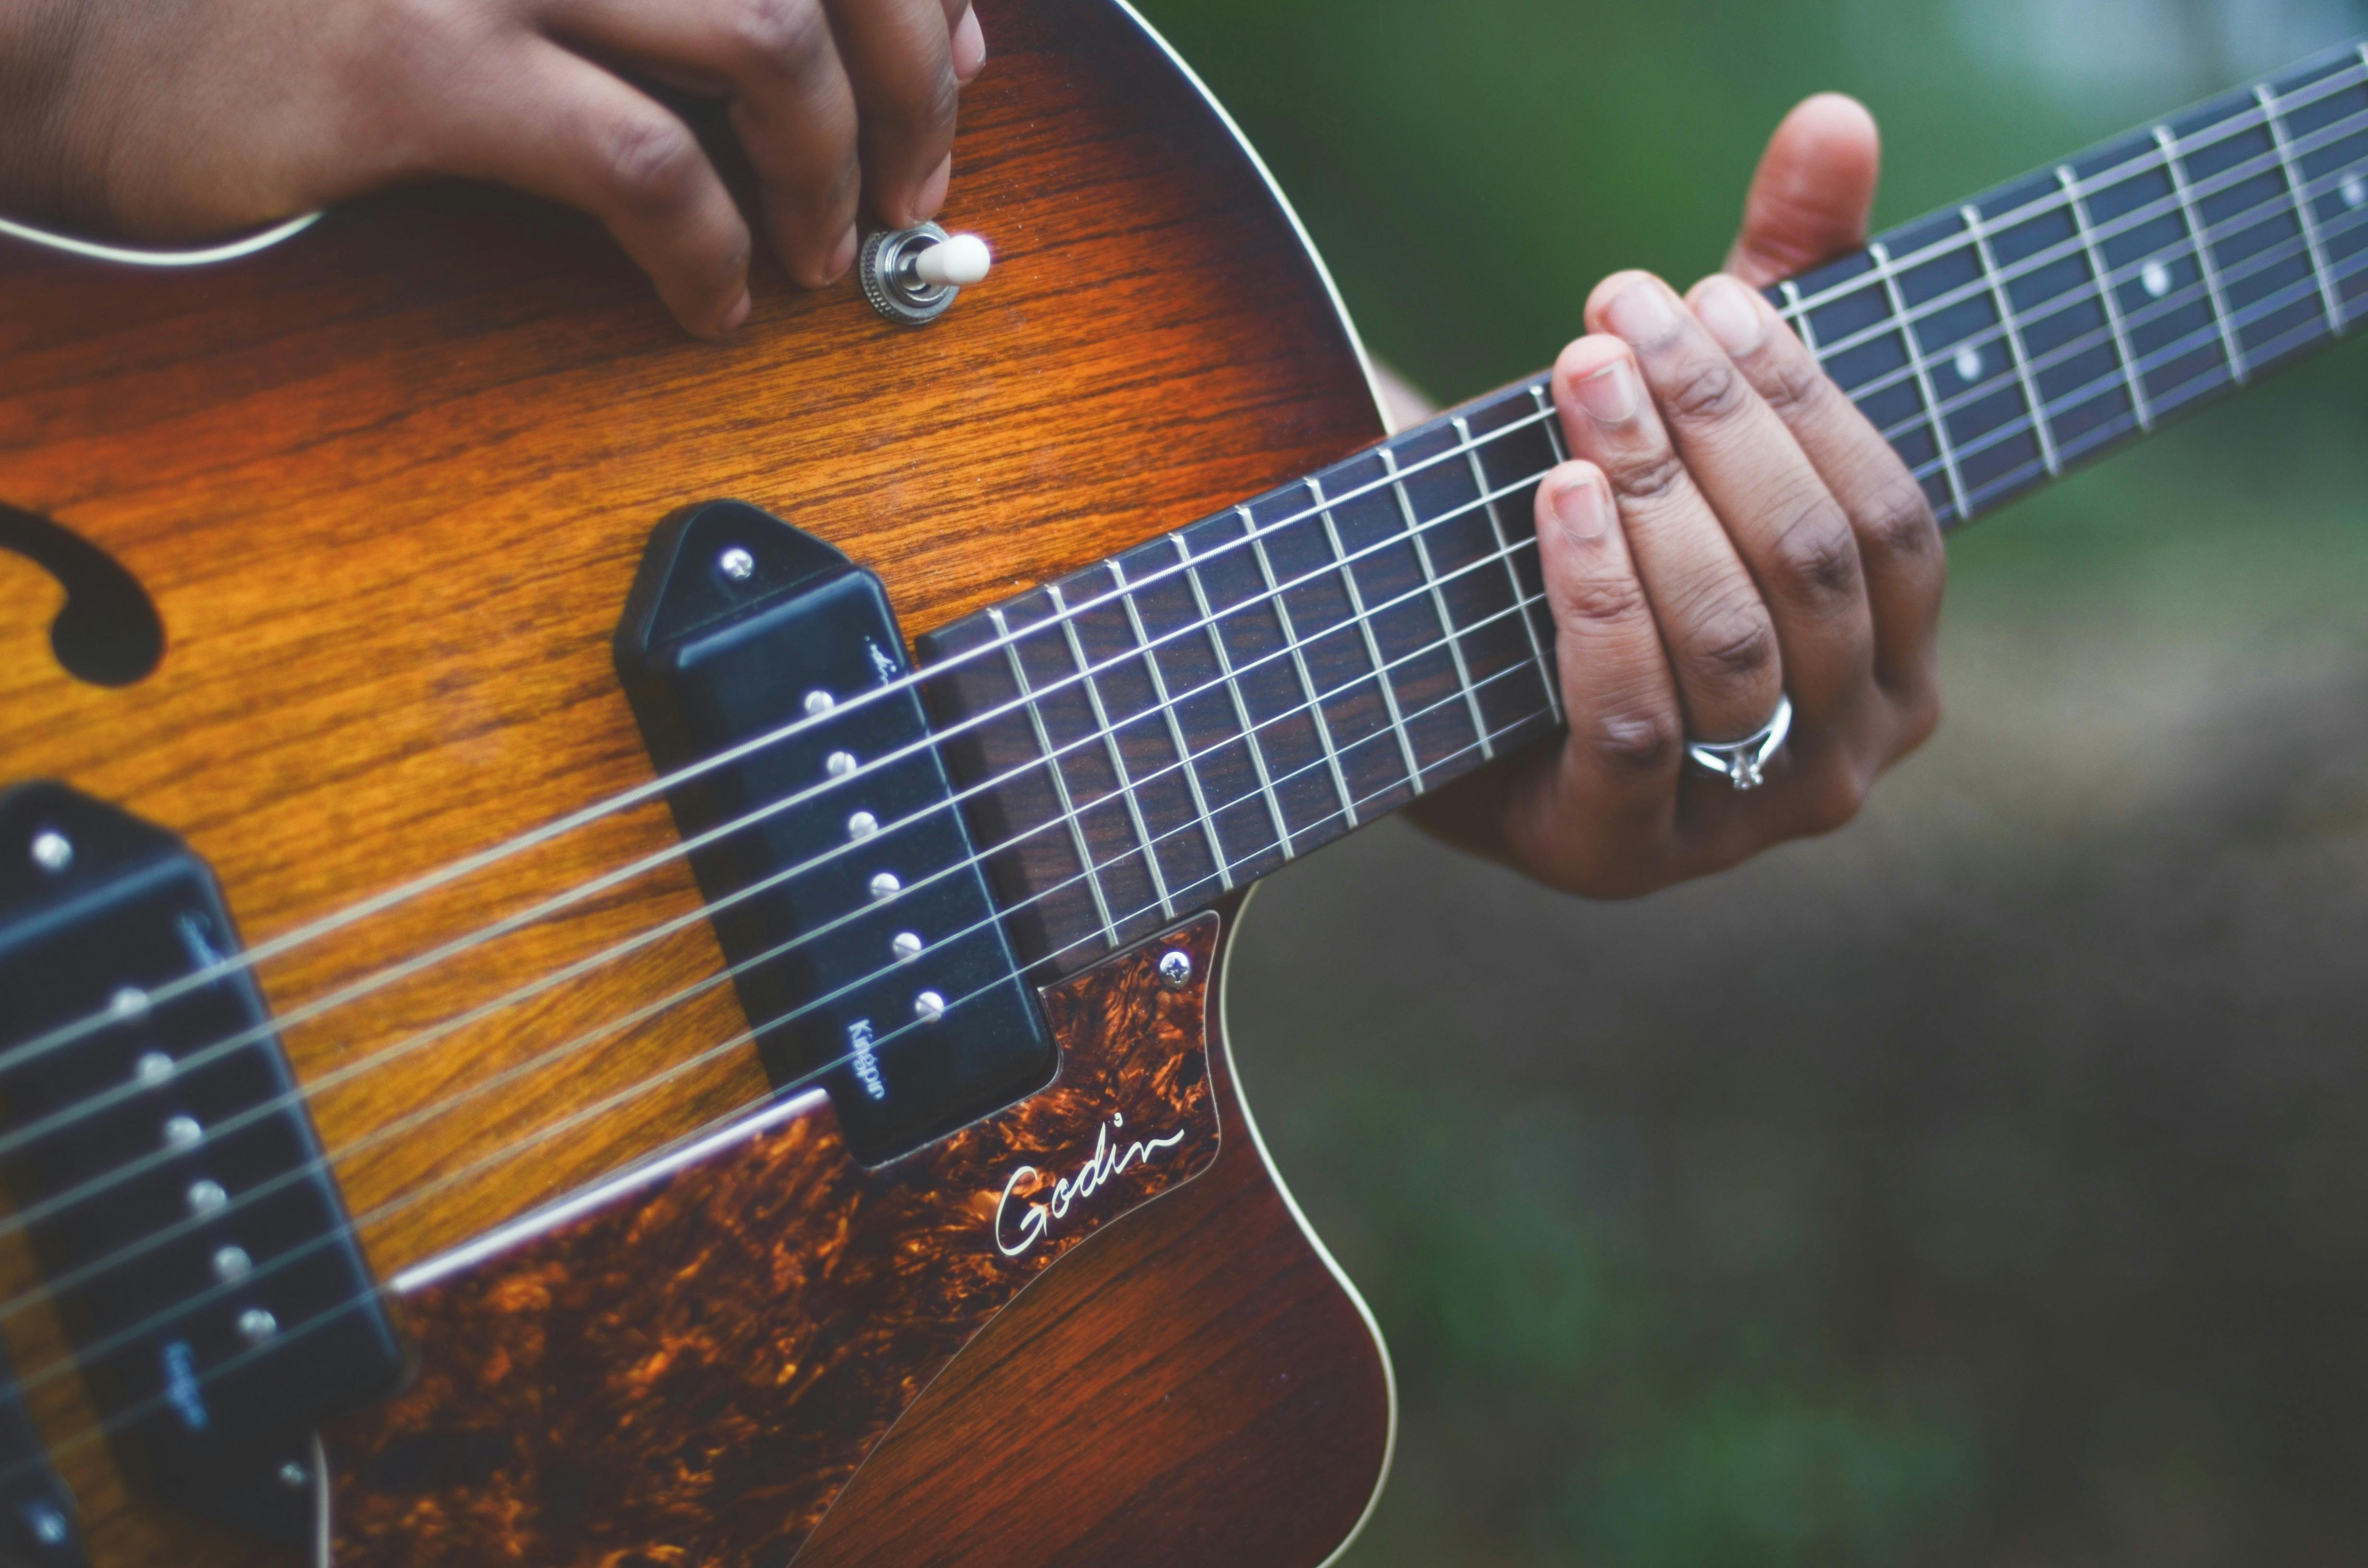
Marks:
<point>955,262</point>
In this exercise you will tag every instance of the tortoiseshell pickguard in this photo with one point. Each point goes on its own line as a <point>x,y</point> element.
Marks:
<point>689,1374</point>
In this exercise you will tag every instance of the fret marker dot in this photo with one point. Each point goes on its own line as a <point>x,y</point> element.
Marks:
<point>154,1067</point>
<point>255,1325</point>
<point>207,1197</point>
<point>838,764</point>
<point>929,1007</point>
<point>2355,191</point>
<point>1969,365</point>
<point>863,825</point>
<point>885,885</point>
<point>906,946</point>
<point>180,1132</point>
<point>231,1263</point>
<point>2155,279</point>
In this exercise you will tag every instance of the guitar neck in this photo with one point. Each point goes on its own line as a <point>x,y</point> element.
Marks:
<point>1146,735</point>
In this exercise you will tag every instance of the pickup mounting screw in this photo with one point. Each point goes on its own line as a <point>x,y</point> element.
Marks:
<point>231,1263</point>
<point>737,563</point>
<point>49,1525</point>
<point>257,1325</point>
<point>906,946</point>
<point>929,1007</point>
<point>885,885</point>
<point>52,850</point>
<point>819,703</point>
<point>863,825</point>
<point>207,1197</point>
<point>294,1476</point>
<point>154,1067</point>
<point>1176,969</point>
<point>838,764</point>
<point>127,1002</point>
<point>180,1132</point>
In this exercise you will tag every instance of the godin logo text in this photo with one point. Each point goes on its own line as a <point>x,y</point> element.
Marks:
<point>1014,1236</point>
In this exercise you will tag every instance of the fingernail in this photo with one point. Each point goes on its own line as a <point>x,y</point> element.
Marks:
<point>969,47</point>
<point>842,254</point>
<point>1608,395</point>
<point>1730,314</point>
<point>932,194</point>
<point>1583,509</point>
<point>1640,312</point>
<point>737,316</point>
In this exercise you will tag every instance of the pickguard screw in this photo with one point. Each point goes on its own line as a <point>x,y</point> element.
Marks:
<point>906,945</point>
<point>819,703</point>
<point>929,1007</point>
<point>884,885</point>
<point>294,1476</point>
<point>737,563</point>
<point>232,1264</point>
<point>257,1325</point>
<point>52,850</point>
<point>1176,969</point>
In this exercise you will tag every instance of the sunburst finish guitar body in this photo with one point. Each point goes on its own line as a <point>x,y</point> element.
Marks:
<point>612,949</point>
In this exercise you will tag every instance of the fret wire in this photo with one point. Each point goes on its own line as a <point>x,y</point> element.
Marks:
<point>2110,297</point>
<point>1438,601</point>
<point>2015,345</point>
<point>2300,190</point>
<point>1372,643</point>
<point>1497,528</point>
<point>1110,744</point>
<point>2134,218</point>
<point>1233,687</point>
<point>1882,271</point>
<point>1060,780</point>
<point>1290,638</point>
<point>2203,259</point>
<point>1175,728</point>
<point>2250,264</point>
<point>2325,88</point>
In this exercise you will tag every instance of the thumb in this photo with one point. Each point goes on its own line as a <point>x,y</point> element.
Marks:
<point>1813,194</point>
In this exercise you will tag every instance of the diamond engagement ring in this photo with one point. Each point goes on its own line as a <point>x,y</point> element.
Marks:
<point>1743,762</point>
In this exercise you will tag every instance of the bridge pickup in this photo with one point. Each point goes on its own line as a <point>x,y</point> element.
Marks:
<point>867,953</point>
<point>167,1171</point>
<point>36,1512</point>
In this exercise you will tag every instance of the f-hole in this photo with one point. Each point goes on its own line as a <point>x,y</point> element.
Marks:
<point>107,634</point>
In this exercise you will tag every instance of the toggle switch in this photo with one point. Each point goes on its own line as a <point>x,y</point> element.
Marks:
<point>911,276</point>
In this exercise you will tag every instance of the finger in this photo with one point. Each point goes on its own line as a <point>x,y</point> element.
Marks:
<point>1898,543</point>
<point>1785,524</point>
<point>969,47</point>
<point>792,105</point>
<point>1721,644</point>
<point>1811,198</point>
<point>565,129</point>
<point>900,56</point>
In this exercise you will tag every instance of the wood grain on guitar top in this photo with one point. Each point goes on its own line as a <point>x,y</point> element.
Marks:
<point>388,485</point>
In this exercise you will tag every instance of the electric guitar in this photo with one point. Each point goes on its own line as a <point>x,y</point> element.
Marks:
<point>612,949</point>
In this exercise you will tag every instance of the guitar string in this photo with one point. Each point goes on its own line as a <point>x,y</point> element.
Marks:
<point>1186,828</point>
<point>2227,131</point>
<point>94,1186</point>
<point>139,1410</point>
<point>161,1156</point>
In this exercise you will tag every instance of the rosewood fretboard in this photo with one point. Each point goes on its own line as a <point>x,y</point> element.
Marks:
<point>1146,735</point>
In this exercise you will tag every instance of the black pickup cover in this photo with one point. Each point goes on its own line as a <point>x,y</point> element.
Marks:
<point>199,1251</point>
<point>735,622</point>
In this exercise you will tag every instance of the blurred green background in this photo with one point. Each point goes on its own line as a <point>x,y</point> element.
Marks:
<point>1988,1183</point>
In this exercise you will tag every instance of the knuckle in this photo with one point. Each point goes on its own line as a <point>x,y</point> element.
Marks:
<point>1636,741</point>
<point>1599,600</point>
<point>1814,555</point>
<point>654,160</point>
<point>1706,392</point>
<point>1920,718</point>
<point>1899,528</point>
<point>1649,476</point>
<point>936,105</point>
<point>1798,388</point>
<point>1733,641</point>
<point>789,38</point>
<point>1836,799</point>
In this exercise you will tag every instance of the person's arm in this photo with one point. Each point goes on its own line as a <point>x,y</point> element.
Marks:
<point>1730,530</point>
<point>170,118</point>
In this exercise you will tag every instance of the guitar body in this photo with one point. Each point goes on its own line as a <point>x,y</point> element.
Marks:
<point>387,486</point>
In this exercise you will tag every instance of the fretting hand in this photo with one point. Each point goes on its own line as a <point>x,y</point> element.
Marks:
<point>1730,531</point>
<point>175,119</point>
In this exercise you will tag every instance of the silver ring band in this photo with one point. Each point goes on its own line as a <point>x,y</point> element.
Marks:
<point>1744,763</point>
